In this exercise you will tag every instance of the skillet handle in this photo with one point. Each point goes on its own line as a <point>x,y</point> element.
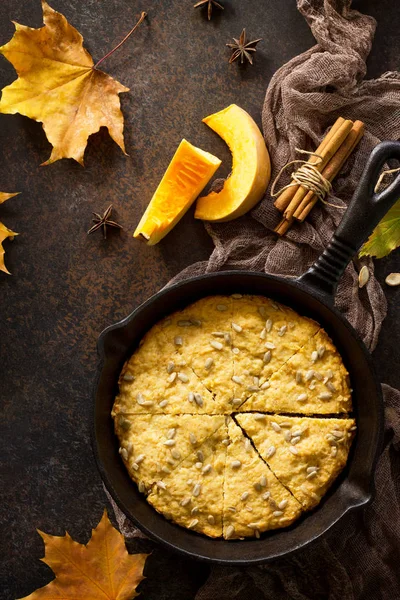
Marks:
<point>365,211</point>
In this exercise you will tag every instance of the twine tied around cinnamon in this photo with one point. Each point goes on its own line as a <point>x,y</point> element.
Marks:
<point>308,176</point>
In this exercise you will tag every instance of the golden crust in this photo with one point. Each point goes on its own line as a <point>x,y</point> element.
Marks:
<point>293,447</point>
<point>312,381</point>
<point>254,499</point>
<point>149,444</point>
<point>270,334</point>
<point>203,332</point>
<point>224,355</point>
<point>193,497</point>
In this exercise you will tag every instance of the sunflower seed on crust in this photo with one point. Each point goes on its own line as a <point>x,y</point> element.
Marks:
<point>230,530</point>
<point>271,451</point>
<point>235,464</point>
<point>193,523</point>
<point>196,490</point>
<point>267,357</point>
<point>128,377</point>
<point>216,345</point>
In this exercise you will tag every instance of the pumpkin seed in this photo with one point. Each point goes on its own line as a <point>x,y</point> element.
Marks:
<point>393,279</point>
<point>363,277</point>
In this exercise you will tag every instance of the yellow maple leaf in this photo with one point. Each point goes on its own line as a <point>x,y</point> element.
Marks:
<point>101,569</point>
<point>5,232</point>
<point>59,86</point>
<point>386,236</point>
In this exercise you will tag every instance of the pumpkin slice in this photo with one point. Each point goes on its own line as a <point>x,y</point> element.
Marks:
<point>187,174</point>
<point>251,167</point>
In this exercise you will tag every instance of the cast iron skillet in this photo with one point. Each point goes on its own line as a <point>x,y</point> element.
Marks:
<point>311,295</point>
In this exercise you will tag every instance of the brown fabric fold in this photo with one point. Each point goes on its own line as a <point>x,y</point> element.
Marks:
<point>359,558</point>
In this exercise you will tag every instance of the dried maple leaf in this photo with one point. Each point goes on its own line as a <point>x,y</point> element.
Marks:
<point>5,232</point>
<point>386,236</point>
<point>59,86</point>
<point>101,569</point>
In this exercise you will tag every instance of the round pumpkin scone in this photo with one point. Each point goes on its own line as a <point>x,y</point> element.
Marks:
<point>233,416</point>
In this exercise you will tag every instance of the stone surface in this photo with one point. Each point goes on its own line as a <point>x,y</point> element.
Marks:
<point>67,286</point>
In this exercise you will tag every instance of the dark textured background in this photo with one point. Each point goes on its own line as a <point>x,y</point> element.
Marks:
<point>66,286</point>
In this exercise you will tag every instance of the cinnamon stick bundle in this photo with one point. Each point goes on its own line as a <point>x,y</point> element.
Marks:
<point>297,201</point>
<point>284,199</point>
<point>333,168</point>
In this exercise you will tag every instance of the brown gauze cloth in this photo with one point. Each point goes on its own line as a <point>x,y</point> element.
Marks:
<point>360,557</point>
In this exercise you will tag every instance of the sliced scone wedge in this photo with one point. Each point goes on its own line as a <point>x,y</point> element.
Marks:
<point>312,381</point>
<point>201,333</point>
<point>192,494</point>
<point>151,446</point>
<point>254,499</point>
<point>168,387</point>
<point>265,335</point>
<point>305,453</point>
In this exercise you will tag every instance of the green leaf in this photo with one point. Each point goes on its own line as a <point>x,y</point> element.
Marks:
<point>386,236</point>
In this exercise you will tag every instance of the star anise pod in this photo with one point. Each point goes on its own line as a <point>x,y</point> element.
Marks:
<point>242,48</point>
<point>210,4</point>
<point>104,222</point>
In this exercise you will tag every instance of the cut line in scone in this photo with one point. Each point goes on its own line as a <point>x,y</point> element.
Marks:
<point>153,445</point>
<point>265,335</point>
<point>202,334</point>
<point>192,494</point>
<point>312,381</point>
<point>305,453</point>
<point>254,500</point>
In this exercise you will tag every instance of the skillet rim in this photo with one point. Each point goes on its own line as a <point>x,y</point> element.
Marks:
<point>367,490</point>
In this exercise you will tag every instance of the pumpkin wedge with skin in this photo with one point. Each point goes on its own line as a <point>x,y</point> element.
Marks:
<point>187,174</point>
<point>251,167</point>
